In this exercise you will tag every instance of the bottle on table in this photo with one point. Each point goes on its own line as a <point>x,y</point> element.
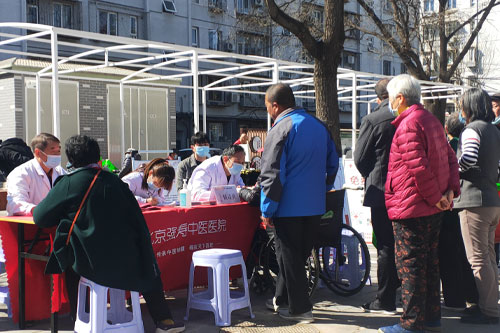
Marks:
<point>185,195</point>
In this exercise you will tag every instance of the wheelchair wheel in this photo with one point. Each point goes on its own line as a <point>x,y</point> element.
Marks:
<point>345,272</point>
<point>312,267</point>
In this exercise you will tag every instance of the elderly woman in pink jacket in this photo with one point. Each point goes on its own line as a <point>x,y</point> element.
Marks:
<point>422,181</point>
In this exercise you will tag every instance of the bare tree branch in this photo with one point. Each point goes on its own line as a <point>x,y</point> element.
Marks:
<point>471,39</point>
<point>461,26</point>
<point>296,27</point>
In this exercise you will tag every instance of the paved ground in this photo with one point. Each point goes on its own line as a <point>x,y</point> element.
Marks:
<point>332,314</point>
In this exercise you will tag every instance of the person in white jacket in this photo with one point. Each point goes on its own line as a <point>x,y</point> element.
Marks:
<point>29,183</point>
<point>147,183</point>
<point>217,170</point>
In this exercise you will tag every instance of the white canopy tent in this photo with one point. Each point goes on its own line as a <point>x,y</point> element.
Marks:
<point>165,65</point>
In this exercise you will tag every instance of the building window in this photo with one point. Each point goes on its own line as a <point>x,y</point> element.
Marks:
<point>133,26</point>
<point>214,38</point>
<point>215,131</point>
<point>387,67</point>
<point>195,32</point>
<point>452,3</point>
<point>472,3</point>
<point>108,23</point>
<point>318,16</point>
<point>63,16</point>
<point>403,69</point>
<point>429,5</point>
<point>169,6</point>
<point>243,6</point>
<point>32,11</point>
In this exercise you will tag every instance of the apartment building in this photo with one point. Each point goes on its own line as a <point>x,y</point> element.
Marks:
<point>224,25</point>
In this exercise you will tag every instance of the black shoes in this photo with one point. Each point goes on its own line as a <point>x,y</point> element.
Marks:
<point>376,307</point>
<point>477,317</point>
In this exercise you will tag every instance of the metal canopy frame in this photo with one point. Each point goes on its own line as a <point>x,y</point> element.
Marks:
<point>165,65</point>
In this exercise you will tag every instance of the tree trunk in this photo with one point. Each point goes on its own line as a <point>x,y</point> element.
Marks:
<point>437,107</point>
<point>325,84</point>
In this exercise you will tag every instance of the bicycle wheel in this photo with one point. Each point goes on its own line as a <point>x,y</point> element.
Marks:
<point>312,267</point>
<point>345,272</point>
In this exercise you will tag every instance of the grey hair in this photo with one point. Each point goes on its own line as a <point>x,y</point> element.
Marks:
<point>405,85</point>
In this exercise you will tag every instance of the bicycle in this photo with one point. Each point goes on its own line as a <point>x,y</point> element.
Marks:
<point>341,261</point>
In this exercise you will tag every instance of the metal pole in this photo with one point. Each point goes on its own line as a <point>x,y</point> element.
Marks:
<point>196,102</point>
<point>354,112</point>
<point>38,105</point>
<point>55,87</point>
<point>276,79</point>
<point>122,119</point>
<point>204,105</point>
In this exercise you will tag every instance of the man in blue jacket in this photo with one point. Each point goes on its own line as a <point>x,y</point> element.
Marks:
<point>299,165</point>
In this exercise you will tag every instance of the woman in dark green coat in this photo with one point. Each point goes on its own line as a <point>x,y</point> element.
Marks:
<point>110,243</point>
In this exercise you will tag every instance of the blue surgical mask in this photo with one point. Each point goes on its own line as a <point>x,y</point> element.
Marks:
<point>461,118</point>
<point>52,161</point>
<point>151,186</point>
<point>203,151</point>
<point>236,169</point>
<point>496,121</point>
<point>394,112</point>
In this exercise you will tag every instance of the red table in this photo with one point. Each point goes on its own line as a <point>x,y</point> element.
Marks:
<point>175,234</point>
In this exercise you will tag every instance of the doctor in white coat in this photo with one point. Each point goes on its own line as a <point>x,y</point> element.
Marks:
<point>148,183</point>
<point>29,183</point>
<point>217,170</point>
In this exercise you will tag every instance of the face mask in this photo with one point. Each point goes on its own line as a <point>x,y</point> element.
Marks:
<point>52,161</point>
<point>151,186</point>
<point>461,118</point>
<point>236,169</point>
<point>203,151</point>
<point>394,112</point>
<point>496,121</point>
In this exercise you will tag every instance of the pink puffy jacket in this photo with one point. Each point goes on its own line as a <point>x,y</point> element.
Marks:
<point>422,166</point>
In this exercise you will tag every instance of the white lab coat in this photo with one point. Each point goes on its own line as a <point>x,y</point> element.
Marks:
<point>134,182</point>
<point>208,174</point>
<point>27,185</point>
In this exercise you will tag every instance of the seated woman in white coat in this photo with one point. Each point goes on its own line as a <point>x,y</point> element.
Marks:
<point>29,183</point>
<point>217,170</point>
<point>147,183</point>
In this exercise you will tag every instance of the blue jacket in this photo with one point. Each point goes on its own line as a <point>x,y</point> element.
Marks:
<point>299,165</point>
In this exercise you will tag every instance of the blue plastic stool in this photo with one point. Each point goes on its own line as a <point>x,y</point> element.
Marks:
<point>218,298</point>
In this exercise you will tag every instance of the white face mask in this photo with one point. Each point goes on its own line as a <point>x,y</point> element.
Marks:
<point>52,161</point>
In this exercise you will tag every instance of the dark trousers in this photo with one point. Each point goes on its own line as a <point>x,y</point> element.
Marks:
<point>417,263</point>
<point>387,276</point>
<point>294,242</point>
<point>456,274</point>
<point>155,299</point>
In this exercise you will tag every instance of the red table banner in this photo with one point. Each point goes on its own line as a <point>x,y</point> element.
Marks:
<point>175,234</point>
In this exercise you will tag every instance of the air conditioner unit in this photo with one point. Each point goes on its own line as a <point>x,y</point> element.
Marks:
<point>258,3</point>
<point>351,60</point>
<point>235,98</point>
<point>229,47</point>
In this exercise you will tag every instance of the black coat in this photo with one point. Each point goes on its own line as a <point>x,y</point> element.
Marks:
<point>110,243</point>
<point>371,155</point>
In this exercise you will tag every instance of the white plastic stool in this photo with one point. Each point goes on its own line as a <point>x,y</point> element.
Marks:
<point>4,290</point>
<point>101,319</point>
<point>218,298</point>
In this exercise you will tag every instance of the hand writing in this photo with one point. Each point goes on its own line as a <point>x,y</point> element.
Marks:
<point>152,201</point>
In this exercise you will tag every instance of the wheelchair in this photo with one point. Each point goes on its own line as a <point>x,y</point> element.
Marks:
<point>340,256</point>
